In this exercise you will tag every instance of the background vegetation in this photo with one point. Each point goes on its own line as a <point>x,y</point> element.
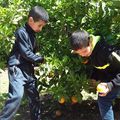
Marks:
<point>62,74</point>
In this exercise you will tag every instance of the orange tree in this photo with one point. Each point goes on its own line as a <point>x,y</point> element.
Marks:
<point>12,13</point>
<point>63,74</point>
<point>66,76</point>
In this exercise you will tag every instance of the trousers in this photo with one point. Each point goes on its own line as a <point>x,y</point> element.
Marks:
<point>105,104</point>
<point>21,79</point>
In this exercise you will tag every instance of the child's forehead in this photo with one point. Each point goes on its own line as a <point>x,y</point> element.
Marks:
<point>40,22</point>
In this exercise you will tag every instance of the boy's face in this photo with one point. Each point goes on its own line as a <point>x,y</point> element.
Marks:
<point>84,52</point>
<point>36,26</point>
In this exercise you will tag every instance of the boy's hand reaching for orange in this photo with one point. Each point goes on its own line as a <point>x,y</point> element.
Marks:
<point>102,89</point>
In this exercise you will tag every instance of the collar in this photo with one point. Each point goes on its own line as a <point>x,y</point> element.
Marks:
<point>95,40</point>
<point>29,29</point>
<point>96,45</point>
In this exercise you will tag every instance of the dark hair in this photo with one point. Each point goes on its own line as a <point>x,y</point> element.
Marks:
<point>39,13</point>
<point>79,39</point>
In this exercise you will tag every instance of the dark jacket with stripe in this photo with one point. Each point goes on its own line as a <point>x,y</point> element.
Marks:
<point>105,60</point>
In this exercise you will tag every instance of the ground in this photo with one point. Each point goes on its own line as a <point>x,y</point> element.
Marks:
<point>53,110</point>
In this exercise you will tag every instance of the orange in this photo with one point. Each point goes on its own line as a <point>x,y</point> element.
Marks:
<point>101,88</point>
<point>58,113</point>
<point>62,100</point>
<point>85,61</point>
<point>74,99</point>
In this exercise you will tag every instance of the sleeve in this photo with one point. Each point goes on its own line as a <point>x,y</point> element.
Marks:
<point>25,51</point>
<point>115,61</point>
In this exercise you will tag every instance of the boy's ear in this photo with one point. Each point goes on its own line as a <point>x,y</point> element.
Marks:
<point>30,19</point>
<point>90,41</point>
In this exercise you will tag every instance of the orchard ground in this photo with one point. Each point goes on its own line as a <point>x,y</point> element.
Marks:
<point>53,110</point>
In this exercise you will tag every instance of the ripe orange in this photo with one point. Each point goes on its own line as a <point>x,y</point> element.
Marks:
<point>101,88</point>
<point>85,61</point>
<point>62,100</point>
<point>58,113</point>
<point>74,99</point>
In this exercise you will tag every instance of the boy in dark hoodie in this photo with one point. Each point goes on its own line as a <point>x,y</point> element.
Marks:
<point>105,60</point>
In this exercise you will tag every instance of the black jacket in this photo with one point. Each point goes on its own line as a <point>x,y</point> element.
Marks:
<point>23,52</point>
<point>105,60</point>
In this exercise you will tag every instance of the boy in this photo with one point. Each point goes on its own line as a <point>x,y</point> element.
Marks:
<point>105,60</point>
<point>21,66</point>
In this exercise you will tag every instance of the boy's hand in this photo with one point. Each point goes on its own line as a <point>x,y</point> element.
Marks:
<point>102,89</point>
<point>42,60</point>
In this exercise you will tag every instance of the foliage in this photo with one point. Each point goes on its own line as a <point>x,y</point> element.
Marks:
<point>63,78</point>
<point>11,13</point>
<point>63,74</point>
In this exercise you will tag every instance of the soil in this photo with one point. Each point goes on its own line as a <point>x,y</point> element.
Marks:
<point>86,110</point>
<point>53,110</point>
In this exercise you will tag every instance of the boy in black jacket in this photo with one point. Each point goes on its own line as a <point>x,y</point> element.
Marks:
<point>105,60</point>
<point>21,66</point>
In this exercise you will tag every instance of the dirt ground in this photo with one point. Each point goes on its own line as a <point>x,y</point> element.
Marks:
<point>3,81</point>
<point>87,110</point>
<point>52,110</point>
